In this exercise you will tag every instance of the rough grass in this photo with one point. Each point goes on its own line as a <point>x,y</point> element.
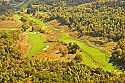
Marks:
<point>17,17</point>
<point>37,43</point>
<point>36,40</point>
<point>93,56</point>
<point>41,23</point>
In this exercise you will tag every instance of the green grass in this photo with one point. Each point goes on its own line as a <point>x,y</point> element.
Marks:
<point>36,40</point>
<point>17,17</point>
<point>87,60</point>
<point>41,23</point>
<point>37,43</point>
<point>100,56</point>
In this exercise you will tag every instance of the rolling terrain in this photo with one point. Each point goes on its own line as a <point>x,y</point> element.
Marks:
<point>92,56</point>
<point>55,41</point>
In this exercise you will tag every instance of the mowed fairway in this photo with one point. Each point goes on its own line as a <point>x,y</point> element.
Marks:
<point>41,23</point>
<point>92,56</point>
<point>37,43</point>
<point>36,40</point>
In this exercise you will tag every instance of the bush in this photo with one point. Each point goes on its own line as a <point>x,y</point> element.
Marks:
<point>78,58</point>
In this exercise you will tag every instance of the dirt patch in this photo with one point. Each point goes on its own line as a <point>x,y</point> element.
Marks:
<point>52,35</point>
<point>54,23</point>
<point>109,46</point>
<point>9,24</point>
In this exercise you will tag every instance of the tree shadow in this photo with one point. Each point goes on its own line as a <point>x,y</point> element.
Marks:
<point>116,63</point>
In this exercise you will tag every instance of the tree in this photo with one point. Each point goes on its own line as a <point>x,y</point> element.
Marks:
<point>25,27</point>
<point>29,5</point>
<point>78,58</point>
<point>72,48</point>
<point>28,11</point>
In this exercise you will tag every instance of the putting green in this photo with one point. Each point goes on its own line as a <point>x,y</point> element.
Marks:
<point>36,41</point>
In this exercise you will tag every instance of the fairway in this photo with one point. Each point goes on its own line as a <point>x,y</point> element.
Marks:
<point>92,56</point>
<point>36,40</point>
<point>41,23</point>
<point>37,43</point>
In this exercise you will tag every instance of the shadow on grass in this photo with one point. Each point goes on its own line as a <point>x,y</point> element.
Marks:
<point>116,63</point>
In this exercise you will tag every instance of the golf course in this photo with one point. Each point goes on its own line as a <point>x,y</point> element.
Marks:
<point>62,41</point>
<point>92,56</point>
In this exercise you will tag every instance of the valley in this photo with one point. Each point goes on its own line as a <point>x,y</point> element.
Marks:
<point>54,41</point>
<point>92,56</point>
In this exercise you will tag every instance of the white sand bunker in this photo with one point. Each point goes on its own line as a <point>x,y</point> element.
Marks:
<point>34,32</point>
<point>46,47</point>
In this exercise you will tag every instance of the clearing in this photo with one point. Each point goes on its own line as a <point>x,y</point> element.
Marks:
<point>36,41</point>
<point>92,56</point>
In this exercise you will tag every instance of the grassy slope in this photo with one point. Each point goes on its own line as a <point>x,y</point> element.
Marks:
<point>37,43</point>
<point>10,25</point>
<point>100,56</point>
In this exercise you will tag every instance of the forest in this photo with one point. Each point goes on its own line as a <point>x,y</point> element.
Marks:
<point>62,41</point>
